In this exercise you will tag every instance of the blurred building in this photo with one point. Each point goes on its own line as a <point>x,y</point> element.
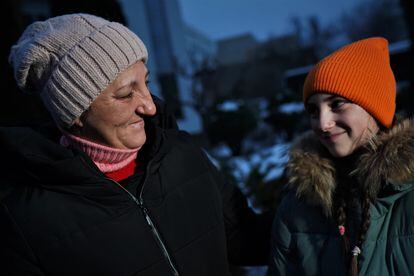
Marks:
<point>249,69</point>
<point>199,47</point>
<point>234,50</point>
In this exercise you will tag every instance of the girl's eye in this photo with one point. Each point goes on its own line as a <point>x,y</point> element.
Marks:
<point>336,104</point>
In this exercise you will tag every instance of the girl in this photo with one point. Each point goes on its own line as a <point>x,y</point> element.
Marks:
<point>350,210</point>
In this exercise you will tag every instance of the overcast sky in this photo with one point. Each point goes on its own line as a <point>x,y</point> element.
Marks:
<point>223,18</point>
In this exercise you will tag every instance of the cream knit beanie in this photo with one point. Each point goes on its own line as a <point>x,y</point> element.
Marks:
<point>69,60</point>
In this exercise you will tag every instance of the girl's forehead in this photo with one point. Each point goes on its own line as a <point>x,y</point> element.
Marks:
<point>323,97</point>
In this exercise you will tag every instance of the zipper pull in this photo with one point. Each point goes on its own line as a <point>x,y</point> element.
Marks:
<point>145,211</point>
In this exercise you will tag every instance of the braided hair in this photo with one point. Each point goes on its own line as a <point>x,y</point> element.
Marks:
<point>351,256</point>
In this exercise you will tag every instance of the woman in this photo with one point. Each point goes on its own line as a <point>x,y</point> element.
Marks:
<point>119,190</point>
<point>350,210</point>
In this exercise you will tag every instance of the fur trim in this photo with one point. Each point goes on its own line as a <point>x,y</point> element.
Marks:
<point>389,159</point>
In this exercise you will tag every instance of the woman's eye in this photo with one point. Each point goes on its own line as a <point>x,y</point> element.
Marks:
<point>129,95</point>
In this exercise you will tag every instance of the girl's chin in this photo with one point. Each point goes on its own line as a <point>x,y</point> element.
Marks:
<point>338,153</point>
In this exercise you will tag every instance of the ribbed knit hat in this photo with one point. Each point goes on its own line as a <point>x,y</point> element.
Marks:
<point>70,59</point>
<point>361,73</point>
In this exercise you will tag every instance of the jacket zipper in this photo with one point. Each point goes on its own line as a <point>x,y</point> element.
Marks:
<point>141,205</point>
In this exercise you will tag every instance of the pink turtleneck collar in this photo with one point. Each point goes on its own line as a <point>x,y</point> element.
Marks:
<point>107,159</point>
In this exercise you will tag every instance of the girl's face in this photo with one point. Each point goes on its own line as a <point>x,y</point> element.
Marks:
<point>116,116</point>
<point>339,124</point>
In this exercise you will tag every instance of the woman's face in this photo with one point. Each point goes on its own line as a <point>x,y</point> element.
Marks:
<point>116,117</point>
<point>339,124</point>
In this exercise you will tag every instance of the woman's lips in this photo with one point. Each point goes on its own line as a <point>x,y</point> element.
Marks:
<point>138,124</point>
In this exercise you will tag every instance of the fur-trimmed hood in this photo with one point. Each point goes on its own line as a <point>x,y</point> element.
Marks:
<point>388,159</point>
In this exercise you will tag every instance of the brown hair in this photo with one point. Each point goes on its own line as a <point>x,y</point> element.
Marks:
<point>345,198</point>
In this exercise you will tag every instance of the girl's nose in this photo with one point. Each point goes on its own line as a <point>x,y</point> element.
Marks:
<point>326,121</point>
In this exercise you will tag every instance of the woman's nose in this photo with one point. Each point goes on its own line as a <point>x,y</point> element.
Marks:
<point>146,106</point>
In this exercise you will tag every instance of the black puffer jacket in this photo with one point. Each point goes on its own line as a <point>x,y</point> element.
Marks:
<point>59,215</point>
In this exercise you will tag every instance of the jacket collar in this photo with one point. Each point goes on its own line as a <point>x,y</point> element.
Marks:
<point>387,159</point>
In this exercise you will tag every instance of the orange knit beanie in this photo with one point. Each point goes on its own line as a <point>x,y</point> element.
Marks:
<point>361,73</point>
